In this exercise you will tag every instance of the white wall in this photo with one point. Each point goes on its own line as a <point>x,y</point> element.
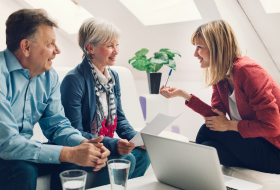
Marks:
<point>175,36</point>
<point>6,8</point>
<point>250,43</point>
<point>70,52</point>
<point>266,26</point>
<point>248,39</point>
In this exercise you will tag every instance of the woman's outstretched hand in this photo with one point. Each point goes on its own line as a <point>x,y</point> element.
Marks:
<point>220,122</point>
<point>169,92</point>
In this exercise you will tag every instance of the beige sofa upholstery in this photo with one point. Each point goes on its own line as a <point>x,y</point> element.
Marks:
<point>131,107</point>
<point>268,181</point>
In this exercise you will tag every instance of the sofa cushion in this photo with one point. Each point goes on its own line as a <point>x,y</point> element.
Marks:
<point>43,182</point>
<point>267,180</point>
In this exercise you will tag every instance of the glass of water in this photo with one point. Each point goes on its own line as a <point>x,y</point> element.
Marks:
<point>73,179</point>
<point>118,173</point>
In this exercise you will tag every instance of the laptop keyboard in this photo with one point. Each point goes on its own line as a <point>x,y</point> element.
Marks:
<point>229,188</point>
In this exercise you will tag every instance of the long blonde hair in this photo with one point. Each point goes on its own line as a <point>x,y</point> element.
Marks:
<point>223,47</point>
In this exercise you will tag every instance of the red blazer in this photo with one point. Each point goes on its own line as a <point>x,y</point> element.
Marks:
<point>257,98</point>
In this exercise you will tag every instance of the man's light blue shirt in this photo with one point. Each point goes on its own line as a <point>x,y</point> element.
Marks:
<point>25,101</point>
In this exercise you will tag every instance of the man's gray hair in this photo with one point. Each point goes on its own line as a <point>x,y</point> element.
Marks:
<point>96,31</point>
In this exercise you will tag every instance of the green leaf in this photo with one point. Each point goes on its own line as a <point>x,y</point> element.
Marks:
<point>164,50</point>
<point>133,58</point>
<point>158,67</point>
<point>150,68</point>
<point>141,52</point>
<point>140,64</point>
<point>174,51</point>
<point>158,61</point>
<point>172,64</point>
<point>142,57</point>
<point>171,53</point>
<point>153,64</point>
<point>161,55</point>
<point>167,63</point>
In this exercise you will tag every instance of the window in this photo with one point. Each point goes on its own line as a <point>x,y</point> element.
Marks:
<point>68,14</point>
<point>154,12</point>
<point>271,6</point>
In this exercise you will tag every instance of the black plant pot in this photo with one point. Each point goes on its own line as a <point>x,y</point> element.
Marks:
<point>154,82</point>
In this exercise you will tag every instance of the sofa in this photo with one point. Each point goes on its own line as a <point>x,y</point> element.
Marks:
<point>130,101</point>
<point>267,180</point>
<point>132,109</point>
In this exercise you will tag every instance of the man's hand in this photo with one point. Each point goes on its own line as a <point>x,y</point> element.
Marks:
<point>95,141</point>
<point>104,152</point>
<point>90,153</point>
<point>124,147</point>
<point>103,159</point>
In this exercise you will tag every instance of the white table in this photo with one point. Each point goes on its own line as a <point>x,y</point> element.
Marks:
<point>146,182</point>
<point>149,182</point>
<point>155,103</point>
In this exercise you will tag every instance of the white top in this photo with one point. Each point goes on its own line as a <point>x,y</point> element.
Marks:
<point>103,78</point>
<point>234,114</point>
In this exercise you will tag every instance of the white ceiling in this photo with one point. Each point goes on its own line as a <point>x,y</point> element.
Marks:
<point>70,19</point>
<point>267,26</point>
<point>257,32</point>
<point>153,12</point>
<point>271,6</point>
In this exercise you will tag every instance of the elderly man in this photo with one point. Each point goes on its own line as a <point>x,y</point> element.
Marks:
<point>30,93</point>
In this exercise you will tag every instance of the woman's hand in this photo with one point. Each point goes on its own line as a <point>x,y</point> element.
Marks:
<point>142,147</point>
<point>169,92</point>
<point>124,147</point>
<point>220,122</point>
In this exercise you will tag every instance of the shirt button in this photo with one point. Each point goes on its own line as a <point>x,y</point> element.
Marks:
<point>50,159</point>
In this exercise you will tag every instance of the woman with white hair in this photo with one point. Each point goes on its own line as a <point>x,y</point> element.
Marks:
<point>243,90</point>
<point>91,97</point>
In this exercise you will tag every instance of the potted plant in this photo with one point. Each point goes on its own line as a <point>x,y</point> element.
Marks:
<point>153,64</point>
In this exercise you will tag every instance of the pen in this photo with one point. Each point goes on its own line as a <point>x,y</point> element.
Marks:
<point>168,76</point>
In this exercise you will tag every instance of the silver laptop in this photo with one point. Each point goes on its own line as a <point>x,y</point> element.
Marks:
<point>190,166</point>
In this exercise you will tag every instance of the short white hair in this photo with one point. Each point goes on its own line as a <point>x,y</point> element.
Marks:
<point>97,31</point>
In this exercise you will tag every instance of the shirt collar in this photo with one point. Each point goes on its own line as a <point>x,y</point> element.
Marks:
<point>11,61</point>
<point>13,64</point>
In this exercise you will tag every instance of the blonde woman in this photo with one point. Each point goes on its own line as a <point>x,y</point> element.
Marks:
<point>243,90</point>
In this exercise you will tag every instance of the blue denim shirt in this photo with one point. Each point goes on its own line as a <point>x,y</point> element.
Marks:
<point>25,101</point>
